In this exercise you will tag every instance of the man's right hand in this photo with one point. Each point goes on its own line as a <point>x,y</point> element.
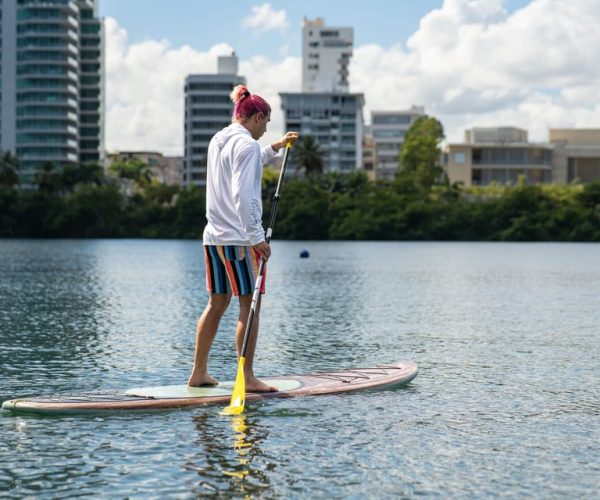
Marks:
<point>263,249</point>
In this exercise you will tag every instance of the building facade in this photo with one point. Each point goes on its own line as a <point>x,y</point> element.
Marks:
<point>326,53</point>
<point>334,119</point>
<point>52,92</point>
<point>498,154</point>
<point>368,153</point>
<point>388,129</point>
<point>208,109</point>
<point>503,155</point>
<point>576,155</point>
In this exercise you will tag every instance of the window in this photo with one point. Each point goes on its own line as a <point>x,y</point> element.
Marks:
<point>516,156</point>
<point>382,134</point>
<point>215,99</point>
<point>459,157</point>
<point>210,86</point>
<point>392,119</point>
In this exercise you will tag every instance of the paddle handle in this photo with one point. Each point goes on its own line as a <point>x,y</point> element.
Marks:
<point>261,267</point>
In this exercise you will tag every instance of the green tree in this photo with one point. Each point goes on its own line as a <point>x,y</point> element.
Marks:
<point>9,169</point>
<point>190,213</point>
<point>133,169</point>
<point>87,173</point>
<point>304,211</point>
<point>47,178</point>
<point>420,153</point>
<point>307,156</point>
<point>8,205</point>
<point>91,211</point>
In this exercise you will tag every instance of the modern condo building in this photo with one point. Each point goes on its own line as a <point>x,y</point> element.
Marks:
<point>208,109</point>
<point>52,91</point>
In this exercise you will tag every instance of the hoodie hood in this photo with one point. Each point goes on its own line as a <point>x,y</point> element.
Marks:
<point>222,137</point>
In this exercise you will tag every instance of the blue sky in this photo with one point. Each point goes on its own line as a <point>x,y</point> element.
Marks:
<point>201,23</point>
<point>532,64</point>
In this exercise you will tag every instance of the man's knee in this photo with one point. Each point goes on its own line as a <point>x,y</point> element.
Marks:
<point>246,304</point>
<point>218,302</point>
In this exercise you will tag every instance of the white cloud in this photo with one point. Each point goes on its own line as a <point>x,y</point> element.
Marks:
<point>470,64</point>
<point>265,18</point>
<point>145,97</point>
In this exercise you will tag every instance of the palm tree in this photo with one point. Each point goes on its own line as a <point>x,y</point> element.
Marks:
<point>47,178</point>
<point>308,156</point>
<point>9,167</point>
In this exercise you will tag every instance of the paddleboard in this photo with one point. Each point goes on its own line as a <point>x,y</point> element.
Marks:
<point>177,396</point>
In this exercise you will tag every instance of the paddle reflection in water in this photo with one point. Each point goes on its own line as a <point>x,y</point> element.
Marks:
<point>232,461</point>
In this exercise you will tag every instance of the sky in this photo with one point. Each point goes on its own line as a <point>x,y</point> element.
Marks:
<point>531,64</point>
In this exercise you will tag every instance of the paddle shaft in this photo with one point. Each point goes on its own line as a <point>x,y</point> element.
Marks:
<point>261,267</point>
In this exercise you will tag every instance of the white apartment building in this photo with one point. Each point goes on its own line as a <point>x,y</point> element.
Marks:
<point>388,129</point>
<point>208,109</point>
<point>335,120</point>
<point>326,53</point>
<point>325,109</point>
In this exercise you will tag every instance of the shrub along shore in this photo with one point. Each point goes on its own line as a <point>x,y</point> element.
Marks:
<point>319,207</point>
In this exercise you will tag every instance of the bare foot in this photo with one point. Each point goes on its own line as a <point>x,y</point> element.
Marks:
<point>255,385</point>
<point>201,380</point>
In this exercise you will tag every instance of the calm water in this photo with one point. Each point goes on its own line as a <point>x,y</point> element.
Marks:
<point>507,401</point>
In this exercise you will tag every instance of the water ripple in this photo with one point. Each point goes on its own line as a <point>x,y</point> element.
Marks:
<point>506,402</point>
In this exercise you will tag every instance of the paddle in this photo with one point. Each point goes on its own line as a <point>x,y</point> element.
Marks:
<point>238,396</point>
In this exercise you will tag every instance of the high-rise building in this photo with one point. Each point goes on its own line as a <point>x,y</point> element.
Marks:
<point>208,109</point>
<point>388,129</point>
<point>326,53</point>
<point>52,92</point>
<point>334,119</point>
<point>325,109</point>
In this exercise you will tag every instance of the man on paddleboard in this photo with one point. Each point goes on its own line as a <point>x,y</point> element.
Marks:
<point>234,239</point>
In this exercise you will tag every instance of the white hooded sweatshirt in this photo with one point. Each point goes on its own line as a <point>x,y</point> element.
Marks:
<point>233,188</point>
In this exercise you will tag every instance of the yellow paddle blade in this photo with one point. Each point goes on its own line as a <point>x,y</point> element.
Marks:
<point>238,396</point>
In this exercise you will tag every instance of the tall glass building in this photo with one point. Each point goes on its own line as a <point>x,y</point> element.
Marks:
<point>52,91</point>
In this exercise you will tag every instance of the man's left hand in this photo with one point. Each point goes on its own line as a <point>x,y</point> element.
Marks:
<point>289,137</point>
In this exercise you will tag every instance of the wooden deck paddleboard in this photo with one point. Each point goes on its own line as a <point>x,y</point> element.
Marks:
<point>175,396</point>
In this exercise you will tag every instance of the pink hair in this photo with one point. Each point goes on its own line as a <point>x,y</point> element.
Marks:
<point>246,104</point>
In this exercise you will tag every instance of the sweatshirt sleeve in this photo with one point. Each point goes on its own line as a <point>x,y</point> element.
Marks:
<point>267,154</point>
<point>246,187</point>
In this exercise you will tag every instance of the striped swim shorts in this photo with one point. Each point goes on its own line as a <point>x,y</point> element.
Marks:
<point>232,269</point>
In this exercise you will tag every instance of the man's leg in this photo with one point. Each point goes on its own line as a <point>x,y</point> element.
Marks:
<point>206,331</point>
<point>252,383</point>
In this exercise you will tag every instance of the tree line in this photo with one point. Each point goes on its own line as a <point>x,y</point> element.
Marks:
<point>420,204</point>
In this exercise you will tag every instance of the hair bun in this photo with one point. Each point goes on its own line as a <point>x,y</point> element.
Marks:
<point>240,92</point>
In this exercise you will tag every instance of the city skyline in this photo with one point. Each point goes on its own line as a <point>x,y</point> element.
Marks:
<point>469,63</point>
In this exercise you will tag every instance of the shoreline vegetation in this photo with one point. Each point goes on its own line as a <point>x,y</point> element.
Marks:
<point>316,207</point>
<point>420,204</point>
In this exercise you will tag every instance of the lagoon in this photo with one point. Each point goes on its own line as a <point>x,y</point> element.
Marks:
<point>506,335</point>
